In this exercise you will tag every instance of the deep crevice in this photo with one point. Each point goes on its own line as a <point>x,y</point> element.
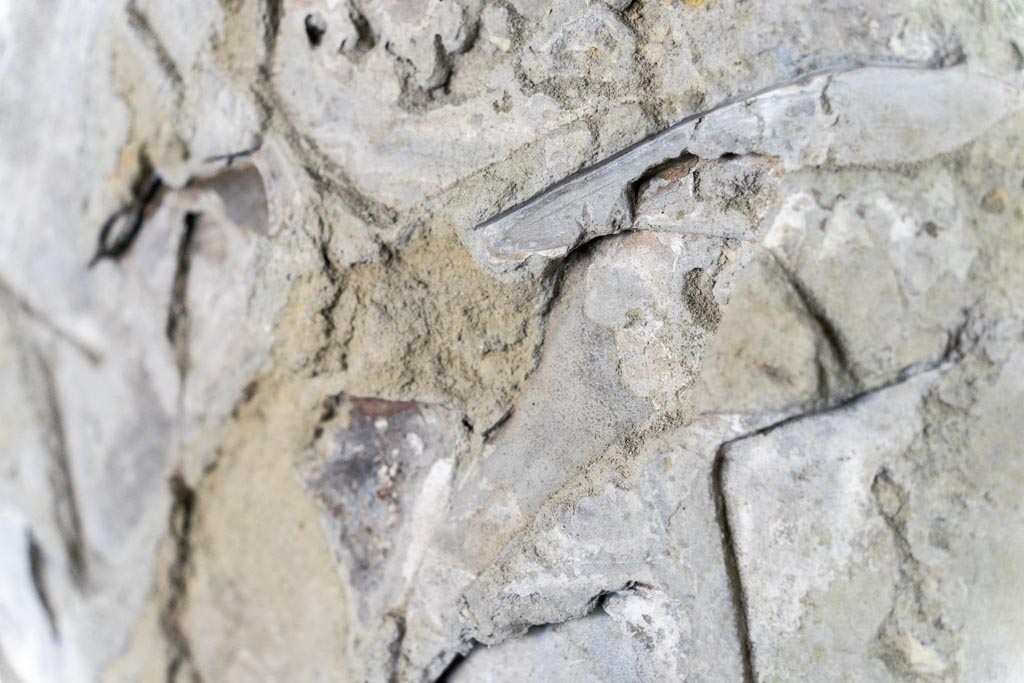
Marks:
<point>366,39</point>
<point>828,330</point>
<point>395,648</point>
<point>315,27</point>
<point>229,157</point>
<point>326,312</point>
<point>595,603</point>
<point>685,162</point>
<point>272,12</point>
<point>951,355</point>
<point>119,231</point>
<point>493,429</point>
<point>418,98</point>
<point>732,566</point>
<point>177,327</point>
<point>180,664</point>
<point>442,67</point>
<point>140,23</point>
<point>329,178</point>
<point>453,666</point>
<point>65,497</point>
<point>37,567</point>
<point>43,397</point>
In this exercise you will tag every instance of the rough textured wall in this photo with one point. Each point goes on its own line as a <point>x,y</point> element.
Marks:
<point>504,340</point>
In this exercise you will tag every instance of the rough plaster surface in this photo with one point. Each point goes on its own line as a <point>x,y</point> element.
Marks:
<point>503,340</point>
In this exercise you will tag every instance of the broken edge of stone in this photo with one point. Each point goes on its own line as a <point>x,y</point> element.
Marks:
<point>875,115</point>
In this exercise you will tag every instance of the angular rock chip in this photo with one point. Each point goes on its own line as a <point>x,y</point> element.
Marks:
<point>382,472</point>
<point>826,118</point>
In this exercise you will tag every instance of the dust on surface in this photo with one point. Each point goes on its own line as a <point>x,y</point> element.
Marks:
<point>264,599</point>
<point>426,323</point>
